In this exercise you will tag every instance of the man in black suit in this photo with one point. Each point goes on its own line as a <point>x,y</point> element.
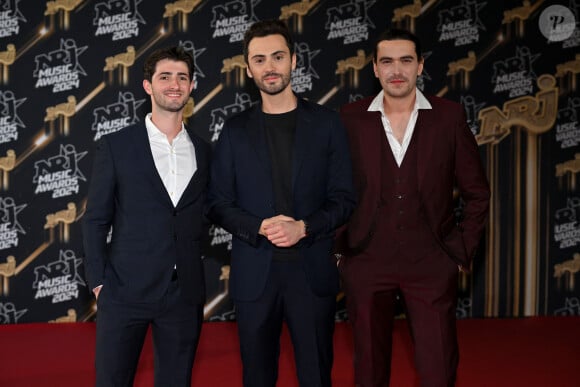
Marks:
<point>148,184</point>
<point>281,183</point>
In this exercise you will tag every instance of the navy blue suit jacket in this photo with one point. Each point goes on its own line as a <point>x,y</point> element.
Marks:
<point>241,195</point>
<point>150,235</point>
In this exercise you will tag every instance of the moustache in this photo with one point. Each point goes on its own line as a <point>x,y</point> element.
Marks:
<point>271,75</point>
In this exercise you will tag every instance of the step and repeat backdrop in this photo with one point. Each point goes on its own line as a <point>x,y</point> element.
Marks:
<point>71,72</point>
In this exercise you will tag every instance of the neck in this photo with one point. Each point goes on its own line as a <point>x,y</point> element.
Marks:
<point>280,103</point>
<point>169,123</point>
<point>399,104</point>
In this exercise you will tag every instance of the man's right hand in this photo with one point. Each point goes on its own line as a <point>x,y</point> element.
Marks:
<point>97,290</point>
<point>273,220</point>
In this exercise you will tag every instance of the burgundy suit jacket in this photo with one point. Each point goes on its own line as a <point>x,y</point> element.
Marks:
<point>448,159</point>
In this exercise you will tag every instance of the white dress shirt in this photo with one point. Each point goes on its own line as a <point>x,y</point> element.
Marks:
<point>175,162</point>
<point>399,149</point>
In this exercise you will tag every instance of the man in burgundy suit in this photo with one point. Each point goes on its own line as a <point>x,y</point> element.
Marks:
<point>409,152</point>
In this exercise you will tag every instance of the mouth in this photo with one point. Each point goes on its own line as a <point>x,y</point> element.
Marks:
<point>271,77</point>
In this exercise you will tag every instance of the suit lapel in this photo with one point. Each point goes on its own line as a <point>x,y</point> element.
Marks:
<point>426,138</point>
<point>302,140</point>
<point>144,147</point>
<point>197,182</point>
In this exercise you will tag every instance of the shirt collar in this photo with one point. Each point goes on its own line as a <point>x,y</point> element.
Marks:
<point>154,133</point>
<point>421,102</point>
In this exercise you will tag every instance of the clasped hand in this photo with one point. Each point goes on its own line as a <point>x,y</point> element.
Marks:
<point>282,230</point>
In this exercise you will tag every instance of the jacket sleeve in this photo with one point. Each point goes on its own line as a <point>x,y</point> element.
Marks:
<point>472,184</point>
<point>340,196</point>
<point>99,214</point>
<point>222,208</point>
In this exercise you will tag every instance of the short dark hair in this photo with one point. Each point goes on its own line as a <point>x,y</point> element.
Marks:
<point>265,28</point>
<point>175,53</point>
<point>398,34</point>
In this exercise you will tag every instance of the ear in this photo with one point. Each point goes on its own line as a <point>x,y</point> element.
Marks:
<point>248,72</point>
<point>420,67</point>
<point>294,61</point>
<point>375,69</point>
<point>147,86</point>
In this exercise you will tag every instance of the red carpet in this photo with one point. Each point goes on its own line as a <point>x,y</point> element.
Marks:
<point>494,352</point>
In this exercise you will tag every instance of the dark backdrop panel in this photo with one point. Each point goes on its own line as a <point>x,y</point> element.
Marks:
<point>71,72</point>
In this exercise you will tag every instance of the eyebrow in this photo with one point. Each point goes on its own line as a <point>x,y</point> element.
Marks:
<point>402,57</point>
<point>272,54</point>
<point>169,73</point>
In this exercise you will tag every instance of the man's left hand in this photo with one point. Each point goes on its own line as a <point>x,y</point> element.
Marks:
<point>285,233</point>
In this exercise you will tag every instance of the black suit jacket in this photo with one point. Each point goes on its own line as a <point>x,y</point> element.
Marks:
<point>241,195</point>
<point>149,234</point>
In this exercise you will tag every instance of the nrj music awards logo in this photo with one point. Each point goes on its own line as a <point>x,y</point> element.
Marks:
<point>461,23</point>
<point>218,236</point>
<point>567,130</point>
<point>242,102</point>
<point>60,68</point>
<point>115,116</point>
<point>59,174</point>
<point>304,72</point>
<point>59,280</point>
<point>515,75</point>
<point>567,224</point>
<point>10,18</point>
<point>349,22</point>
<point>233,19</point>
<point>9,226</point>
<point>9,119</point>
<point>118,18</point>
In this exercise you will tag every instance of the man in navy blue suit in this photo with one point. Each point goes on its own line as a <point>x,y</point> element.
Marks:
<point>148,183</point>
<point>281,183</point>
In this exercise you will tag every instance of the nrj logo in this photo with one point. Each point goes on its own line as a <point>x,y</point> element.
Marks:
<point>567,129</point>
<point>472,110</point>
<point>233,19</point>
<point>461,23</point>
<point>59,280</point>
<point>115,116</point>
<point>60,68</point>
<point>515,74</point>
<point>304,72</point>
<point>242,102</point>
<point>189,47</point>
<point>60,174</point>
<point>9,119</point>
<point>9,314</point>
<point>118,18</point>
<point>10,18</point>
<point>9,226</point>
<point>349,22</point>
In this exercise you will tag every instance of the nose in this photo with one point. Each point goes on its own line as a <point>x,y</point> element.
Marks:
<point>269,65</point>
<point>174,83</point>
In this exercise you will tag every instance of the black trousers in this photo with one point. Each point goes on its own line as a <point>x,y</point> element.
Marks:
<point>310,319</point>
<point>121,330</point>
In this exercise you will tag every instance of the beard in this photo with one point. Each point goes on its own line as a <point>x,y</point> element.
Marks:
<point>276,87</point>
